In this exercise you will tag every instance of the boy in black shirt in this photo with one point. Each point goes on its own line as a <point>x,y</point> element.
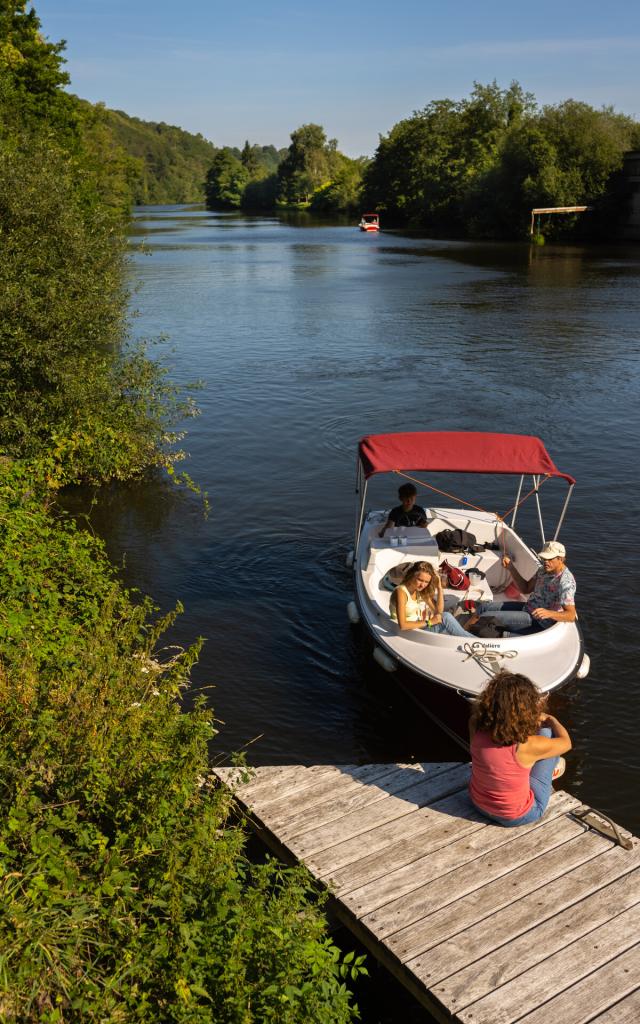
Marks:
<point>408,513</point>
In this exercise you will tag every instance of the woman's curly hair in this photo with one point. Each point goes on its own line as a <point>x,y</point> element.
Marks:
<point>508,708</point>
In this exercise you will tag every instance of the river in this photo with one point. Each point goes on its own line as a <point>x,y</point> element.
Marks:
<point>306,336</point>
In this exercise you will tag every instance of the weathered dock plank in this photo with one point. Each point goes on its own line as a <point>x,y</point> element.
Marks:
<point>443,820</point>
<point>627,1010</point>
<point>388,889</point>
<point>382,810</point>
<point>558,973</point>
<point>322,804</point>
<point>399,844</point>
<point>468,952</point>
<point>536,945</point>
<point>484,925</point>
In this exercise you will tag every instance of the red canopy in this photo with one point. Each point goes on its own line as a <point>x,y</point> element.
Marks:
<point>457,452</point>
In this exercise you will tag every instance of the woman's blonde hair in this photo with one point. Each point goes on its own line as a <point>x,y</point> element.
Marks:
<point>431,590</point>
<point>508,708</point>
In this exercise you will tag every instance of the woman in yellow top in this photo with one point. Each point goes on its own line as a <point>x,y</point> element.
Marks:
<point>418,603</point>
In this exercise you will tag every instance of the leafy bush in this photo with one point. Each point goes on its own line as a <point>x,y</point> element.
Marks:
<point>125,892</point>
<point>71,387</point>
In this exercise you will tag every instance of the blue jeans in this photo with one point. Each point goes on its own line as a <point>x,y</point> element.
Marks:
<point>513,616</point>
<point>540,781</point>
<point>451,626</point>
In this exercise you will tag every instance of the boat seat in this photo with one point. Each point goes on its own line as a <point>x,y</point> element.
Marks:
<point>383,598</point>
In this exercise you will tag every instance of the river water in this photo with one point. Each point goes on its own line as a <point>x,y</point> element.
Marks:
<point>307,336</point>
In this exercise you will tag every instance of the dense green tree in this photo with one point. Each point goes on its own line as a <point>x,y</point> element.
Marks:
<point>479,165</point>
<point>35,67</point>
<point>261,194</point>
<point>343,193</point>
<point>307,165</point>
<point>418,167</point>
<point>250,160</point>
<point>167,164</point>
<point>226,181</point>
<point>127,894</point>
<point>589,144</point>
<point>70,386</point>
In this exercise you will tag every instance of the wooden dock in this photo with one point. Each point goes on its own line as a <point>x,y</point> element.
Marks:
<point>483,924</point>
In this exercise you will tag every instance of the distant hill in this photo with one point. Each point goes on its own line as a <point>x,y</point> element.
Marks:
<point>164,163</point>
<point>168,165</point>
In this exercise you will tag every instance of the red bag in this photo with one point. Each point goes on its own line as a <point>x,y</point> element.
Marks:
<point>458,580</point>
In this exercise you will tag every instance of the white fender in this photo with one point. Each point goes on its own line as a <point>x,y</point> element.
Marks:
<point>353,613</point>
<point>585,665</point>
<point>349,560</point>
<point>383,659</point>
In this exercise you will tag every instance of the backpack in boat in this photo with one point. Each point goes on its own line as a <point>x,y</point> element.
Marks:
<point>457,579</point>
<point>456,541</point>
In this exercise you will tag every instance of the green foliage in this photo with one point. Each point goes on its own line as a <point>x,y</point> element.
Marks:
<point>71,387</point>
<point>34,67</point>
<point>479,165</point>
<point>306,166</point>
<point>249,160</point>
<point>168,164</point>
<point>261,194</point>
<point>227,179</point>
<point>342,194</point>
<point>125,893</point>
<point>311,172</point>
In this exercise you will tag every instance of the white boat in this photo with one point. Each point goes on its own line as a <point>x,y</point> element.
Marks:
<point>369,222</point>
<point>550,657</point>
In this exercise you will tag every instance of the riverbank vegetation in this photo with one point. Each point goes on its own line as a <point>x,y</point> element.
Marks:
<point>125,889</point>
<point>126,892</point>
<point>477,166</point>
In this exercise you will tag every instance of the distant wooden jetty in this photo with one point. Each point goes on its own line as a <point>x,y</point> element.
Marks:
<point>483,924</point>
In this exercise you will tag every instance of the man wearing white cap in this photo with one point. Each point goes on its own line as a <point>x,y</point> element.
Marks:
<point>552,590</point>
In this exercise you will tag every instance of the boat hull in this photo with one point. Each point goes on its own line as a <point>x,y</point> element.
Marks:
<point>450,665</point>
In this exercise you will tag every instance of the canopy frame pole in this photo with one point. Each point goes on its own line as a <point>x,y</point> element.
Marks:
<point>515,507</point>
<point>564,509</point>
<point>361,490</point>
<point>536,481</point>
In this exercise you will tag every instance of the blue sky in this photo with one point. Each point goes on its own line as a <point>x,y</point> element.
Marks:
<point>258,70</point>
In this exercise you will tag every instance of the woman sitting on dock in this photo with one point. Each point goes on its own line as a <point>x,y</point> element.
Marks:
<point>418,603</point>
<point>515,751</point>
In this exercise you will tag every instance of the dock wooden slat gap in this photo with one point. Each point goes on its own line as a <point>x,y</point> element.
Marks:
<point>484,925</point>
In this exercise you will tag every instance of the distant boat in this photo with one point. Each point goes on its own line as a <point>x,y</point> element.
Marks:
<point>369,222</point>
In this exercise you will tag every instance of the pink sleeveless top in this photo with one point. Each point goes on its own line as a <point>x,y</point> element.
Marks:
<point>499,783</point>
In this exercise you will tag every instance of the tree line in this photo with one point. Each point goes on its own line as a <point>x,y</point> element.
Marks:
<point>126,892</point>
<point>474,167</point>
<point>479,165</point>
<point>311,173</point>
